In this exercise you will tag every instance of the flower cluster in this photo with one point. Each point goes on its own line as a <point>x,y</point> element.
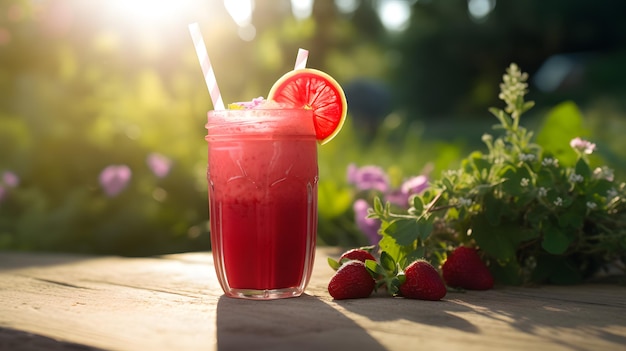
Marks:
<point>372,181</point>
<point>114,178</point>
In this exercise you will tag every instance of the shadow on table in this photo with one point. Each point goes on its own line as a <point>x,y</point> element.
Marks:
<point>381,307</point>
<point>18,260</point>
<point>587,312</point>
<point>17,340</point>
<point>303,323</point>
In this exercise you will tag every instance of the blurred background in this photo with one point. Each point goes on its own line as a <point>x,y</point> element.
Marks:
<point>103,104</point>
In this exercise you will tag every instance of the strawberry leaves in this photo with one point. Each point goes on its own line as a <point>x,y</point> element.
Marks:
<point>386,273</point>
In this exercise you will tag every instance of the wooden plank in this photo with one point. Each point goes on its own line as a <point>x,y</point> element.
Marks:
<point>174,302</point>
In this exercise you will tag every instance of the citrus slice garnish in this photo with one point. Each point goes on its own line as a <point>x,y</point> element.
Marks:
<point>315,90</point>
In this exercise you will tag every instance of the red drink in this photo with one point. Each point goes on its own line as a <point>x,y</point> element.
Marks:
<point>262,178</point>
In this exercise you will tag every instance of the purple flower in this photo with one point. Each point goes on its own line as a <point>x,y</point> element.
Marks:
<point>159,164</point>
<point>397,197</point>
<point>415,185</point>
<point>369,226</point>
<point>351,173</point>
<point>368,178</point>
<point>400,197</point>
<point>10,179</point>
<point>114,179</point>
<point>582,146</point>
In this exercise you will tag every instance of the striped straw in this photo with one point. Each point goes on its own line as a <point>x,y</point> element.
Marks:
<point>205,64</point>
<point>303,55</point>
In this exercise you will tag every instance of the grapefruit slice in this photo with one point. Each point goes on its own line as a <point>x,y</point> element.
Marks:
<point>315,90</point>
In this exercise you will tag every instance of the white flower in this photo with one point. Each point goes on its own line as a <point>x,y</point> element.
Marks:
<point>603,173</point>
<point>549,161</point>
<point>526,157</point>
<point>543,192</point>
<point>524,182</point>
<point>611,193</point>
<point>558,202</point>
<point>465,201</point>
<point>576,178</point>
<point>591,205</point>
<point>582,145</point>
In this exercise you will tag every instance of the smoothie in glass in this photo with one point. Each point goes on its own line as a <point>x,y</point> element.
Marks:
<point>262,176</point>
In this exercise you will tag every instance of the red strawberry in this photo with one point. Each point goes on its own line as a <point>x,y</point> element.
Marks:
<point>357,254</point>
<point>422,282</point>
<point>351,281</point>
<point>353,254</point>
<point>464,269</point>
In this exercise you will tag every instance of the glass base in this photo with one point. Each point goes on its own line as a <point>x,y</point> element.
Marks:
<point>267,294</point>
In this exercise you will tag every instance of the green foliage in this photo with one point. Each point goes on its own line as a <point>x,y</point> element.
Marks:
<point>562,124</point>
<point>535,217</point>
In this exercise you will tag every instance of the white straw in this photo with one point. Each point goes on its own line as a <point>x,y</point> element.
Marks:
<point>205,64</point>
<point>303,55</point>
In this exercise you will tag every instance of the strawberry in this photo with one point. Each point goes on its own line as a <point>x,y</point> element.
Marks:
<point>360,254</point>
<point>357,254</point>
<point>464,269</point>
<point>422,281</point>
<point>351,281</point>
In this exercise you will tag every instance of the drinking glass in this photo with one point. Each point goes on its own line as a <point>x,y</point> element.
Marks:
<point>262,176</point>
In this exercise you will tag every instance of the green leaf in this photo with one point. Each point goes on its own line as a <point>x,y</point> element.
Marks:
<point>425,227</point>
<point>333,264</point>
<point>512,183</point>
<point>563,123</point>
<point>418,205</point>
<point>582,168</point>
<point>536,215</point>
<point>388,244</point>
<point>414,255</point>
<point>378,205</point>
<point>447,183</point>
<point>387,262</point>
<point>555,241</point>
<point>374,268</point>
<point>528,105</point>
<point>393,285</point>
<point>401,278</point>
<point>574,217</point>
<point>500,241</point>
<point>600,187</point>
<point>493,239</point>
<point>500,115</point>
<point>544,179</point>
<point>405,231</point>
<point>479,162</point>
<point>493,208</point>
<point>507,273</point>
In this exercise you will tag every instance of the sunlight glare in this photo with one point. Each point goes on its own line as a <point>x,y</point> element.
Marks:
<point>302,9</point>
<point>149,11</point>
<point>240,11</point>
<point>480,9</point>
<point>347,6</point>
<point>395,14</point>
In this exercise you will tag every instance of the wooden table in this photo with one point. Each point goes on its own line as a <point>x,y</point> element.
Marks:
<point>173,302</point>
